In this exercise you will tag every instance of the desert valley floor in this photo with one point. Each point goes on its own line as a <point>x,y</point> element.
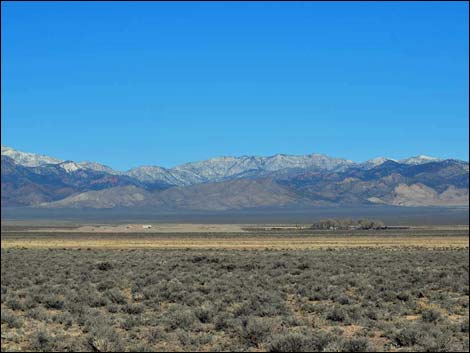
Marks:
<point>223,287</point>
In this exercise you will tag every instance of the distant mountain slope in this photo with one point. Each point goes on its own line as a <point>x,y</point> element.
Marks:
<point>233,194</point>
<point>234,182</point>
<point>224,168</point>
<point>120,196</point>
<point>421,195</point>
<point>154,174</point>
<point>380,185</point>
<point>33,185</point>
<point>443,183</point>
<point>19,186</point>
<point>214,169</point>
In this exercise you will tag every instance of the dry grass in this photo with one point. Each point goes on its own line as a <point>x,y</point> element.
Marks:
<point>240,242</point>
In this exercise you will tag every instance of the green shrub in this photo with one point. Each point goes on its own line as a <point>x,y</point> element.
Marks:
<point>255,329</point>
<point>464,326</point>
<point>408,336</point>
<point>344,300</point>
<point>338,314</point>
<point>102,286</point>
<point>319,340</point>
<point>54,302</point>
<point>104,339</point>
<point>115,296</point>
<point>133,309</point>
<point>431,315</point>
<point>10,319</point>
<point>14,304</point>
<point>360,344</point>
<point>290,342</point>
<point>180,318</point>
<point>104,266</point>
<point>204,314</point>
<point>43,342</point>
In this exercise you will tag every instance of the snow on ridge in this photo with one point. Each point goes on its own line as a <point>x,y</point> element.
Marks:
<point>70,166</point>
<point>415,160</point>
<point>28,159</point>
<point>98,167</point>
<point>421,159</point>
<point>214,169</point>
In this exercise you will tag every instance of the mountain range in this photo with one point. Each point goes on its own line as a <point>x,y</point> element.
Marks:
<point>226,183</point>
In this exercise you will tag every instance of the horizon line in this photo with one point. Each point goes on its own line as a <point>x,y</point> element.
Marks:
<point>234,156</point>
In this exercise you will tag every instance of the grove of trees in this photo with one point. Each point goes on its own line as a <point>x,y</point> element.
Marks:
<point>348,224</point>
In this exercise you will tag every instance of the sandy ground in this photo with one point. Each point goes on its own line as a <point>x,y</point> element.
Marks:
<point>8,227</point>
<point>241,242</point>
<point>162,228</point>
<point>222,236</point>
<point>142,228</point>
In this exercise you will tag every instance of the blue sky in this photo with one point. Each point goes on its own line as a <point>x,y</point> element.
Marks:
<point>129,84</point>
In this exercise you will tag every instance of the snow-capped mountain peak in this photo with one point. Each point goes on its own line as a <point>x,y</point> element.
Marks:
<point>28,159</point>
<point>375,162</point>
<point>415,160</point>
<point>98,167</point>
<point>70,166</point>
<point>36,160</point>
<point>421,159</point>
<point>215,169</point>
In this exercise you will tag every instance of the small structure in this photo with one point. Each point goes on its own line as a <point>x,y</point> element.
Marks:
<point>146,226</point>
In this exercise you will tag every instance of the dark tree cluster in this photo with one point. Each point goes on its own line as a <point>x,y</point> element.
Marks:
<point>346,224</point>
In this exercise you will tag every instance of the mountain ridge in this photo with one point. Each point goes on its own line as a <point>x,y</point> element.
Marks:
<point>32,159</point>
<point>234,182</point>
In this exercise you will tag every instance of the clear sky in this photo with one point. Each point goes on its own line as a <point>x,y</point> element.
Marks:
<point>129,84</point>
